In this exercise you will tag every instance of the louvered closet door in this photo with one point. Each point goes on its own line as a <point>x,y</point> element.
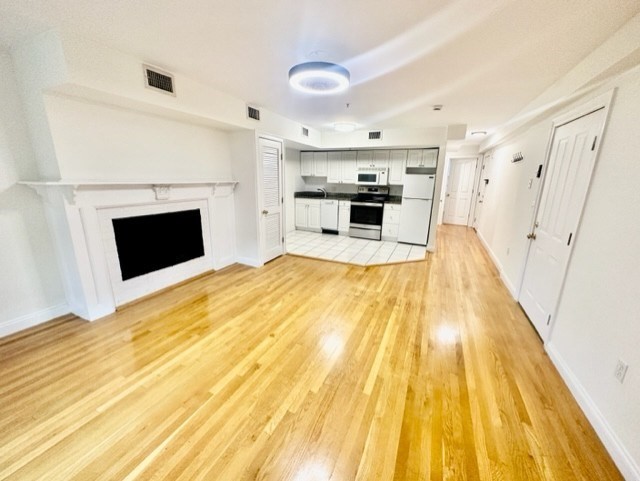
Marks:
<point>271,209</point>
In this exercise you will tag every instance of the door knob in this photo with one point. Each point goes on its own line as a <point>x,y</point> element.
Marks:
<point>265,212</point>
<point>531,236</point>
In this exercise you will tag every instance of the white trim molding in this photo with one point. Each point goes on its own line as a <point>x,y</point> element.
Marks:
<point>623,460</point>
<point>80,214</point>
<point>32,319</point>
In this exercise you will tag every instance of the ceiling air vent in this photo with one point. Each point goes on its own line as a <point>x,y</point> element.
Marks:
<point>305,132</point>
<point>253,113</point>
<point>159,80</point>
<point>375,135</point>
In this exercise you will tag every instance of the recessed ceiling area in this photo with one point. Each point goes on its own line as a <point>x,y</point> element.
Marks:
<point>484,61</point>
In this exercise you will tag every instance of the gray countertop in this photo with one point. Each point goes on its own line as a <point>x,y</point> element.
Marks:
<point>320,195</point>
<point>393,199</point>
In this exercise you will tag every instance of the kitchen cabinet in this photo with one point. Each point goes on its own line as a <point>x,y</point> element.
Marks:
<point>380,159</point>
<point>422,158</point>
<point>313,164</point>
<point>306,164</point>
<point>373,159</point>
<point>334,168</point>
<point>397,163</point>
<point>344,215</point>
<point>349,168</point>
<point>391,221</point>
<point>308,214</point>
<point>320,164</point>
<point>342,168</point>
<point>364,159</point>
<point>329,214</point>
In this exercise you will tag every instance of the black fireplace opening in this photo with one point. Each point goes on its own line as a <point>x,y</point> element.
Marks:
<point>148,243</point>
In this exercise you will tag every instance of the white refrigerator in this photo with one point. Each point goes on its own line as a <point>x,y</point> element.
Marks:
<point>417,200</point>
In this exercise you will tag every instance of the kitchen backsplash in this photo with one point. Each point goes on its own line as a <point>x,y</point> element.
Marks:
<point>314,183</point>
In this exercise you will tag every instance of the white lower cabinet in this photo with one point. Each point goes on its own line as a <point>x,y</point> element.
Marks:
<point>391,221</point>
<point>344,214</point>
<point>308,214</point>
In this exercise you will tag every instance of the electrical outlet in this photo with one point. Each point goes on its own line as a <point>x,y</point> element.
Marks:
<point>621,370</point>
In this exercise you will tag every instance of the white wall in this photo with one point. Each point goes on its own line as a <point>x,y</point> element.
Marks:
<point>30,286</point>
<point>597,321</point>
<point>244,169</point>
<point>97,141</point>
<point>598,318</point>
<point>508,207</point>
<point>293,182</point>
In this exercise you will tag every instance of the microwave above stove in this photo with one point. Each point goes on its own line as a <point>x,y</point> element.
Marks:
<point>372,177</point>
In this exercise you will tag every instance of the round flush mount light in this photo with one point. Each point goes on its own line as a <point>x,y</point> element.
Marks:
<point>344,127</point>
<point>320,78</point>
<point>479,132</point>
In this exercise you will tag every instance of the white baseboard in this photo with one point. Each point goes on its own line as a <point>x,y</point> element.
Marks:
<point>248,261</point>
<point>32,319</point>
<point>621,457</point>
<point>505,280</point>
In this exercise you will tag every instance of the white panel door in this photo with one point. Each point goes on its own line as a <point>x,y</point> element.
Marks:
<point>271,200</point>
<point>566,182</point>
<point>457,202</point>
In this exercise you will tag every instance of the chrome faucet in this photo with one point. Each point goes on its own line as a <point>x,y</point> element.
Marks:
<point>324,191</point>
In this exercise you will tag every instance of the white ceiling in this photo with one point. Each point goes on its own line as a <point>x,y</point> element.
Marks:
<point>484,60</point>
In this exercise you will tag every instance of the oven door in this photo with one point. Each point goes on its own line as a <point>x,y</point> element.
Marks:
<point>366,220</point>
<point>368,178</point>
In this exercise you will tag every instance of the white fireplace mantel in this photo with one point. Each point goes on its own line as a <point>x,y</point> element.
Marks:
<point>80,213</point>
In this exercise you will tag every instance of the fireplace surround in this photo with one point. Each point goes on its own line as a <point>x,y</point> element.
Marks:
<point>81,216</point>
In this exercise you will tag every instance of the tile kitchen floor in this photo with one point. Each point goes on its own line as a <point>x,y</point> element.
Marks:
<point>350,249</point>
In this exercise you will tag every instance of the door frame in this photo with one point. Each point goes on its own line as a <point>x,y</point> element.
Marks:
<point>445,186</point>
<point>260,191</point>
<point>482,161</point>
<point>602,101</point>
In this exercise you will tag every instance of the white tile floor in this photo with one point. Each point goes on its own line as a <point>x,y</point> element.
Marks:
<point>350,249</point>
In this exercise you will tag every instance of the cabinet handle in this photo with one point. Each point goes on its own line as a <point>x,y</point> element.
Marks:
<point>265,212</point>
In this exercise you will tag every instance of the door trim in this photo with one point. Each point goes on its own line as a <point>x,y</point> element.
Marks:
<point>600,102</point>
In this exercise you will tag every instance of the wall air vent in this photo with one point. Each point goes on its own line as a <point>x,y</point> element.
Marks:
<point>158,80</point>
<point>305,132</point>
<point>375,135</point>
<point>253,113</point>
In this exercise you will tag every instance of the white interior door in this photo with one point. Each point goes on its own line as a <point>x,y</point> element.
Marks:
<point>457,203</point>
<point>566,182</point>
<point>270,152</point>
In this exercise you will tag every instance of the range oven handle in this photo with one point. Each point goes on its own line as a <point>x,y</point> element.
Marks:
<point>368,204</point>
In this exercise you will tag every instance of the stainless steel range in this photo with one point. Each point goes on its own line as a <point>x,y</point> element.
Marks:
<point>366,212</point>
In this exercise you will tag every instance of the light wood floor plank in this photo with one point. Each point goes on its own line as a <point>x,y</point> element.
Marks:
<point>302,370</point>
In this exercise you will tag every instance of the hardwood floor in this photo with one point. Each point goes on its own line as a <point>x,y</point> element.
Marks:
<point>302,370</point>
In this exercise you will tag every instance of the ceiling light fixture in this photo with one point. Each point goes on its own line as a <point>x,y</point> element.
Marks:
<point>344,127</point>
<point>479,132</point>
<point>321,78</point>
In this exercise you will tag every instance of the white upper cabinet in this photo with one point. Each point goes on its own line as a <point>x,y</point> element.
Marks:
<point>320,164</point>
<point>334,169</point>
<point>380,159</point>
<point>341,167</point>
<point>397,162</point>
<point>422,158</point>
<point>306,164</point>
<point>364,159</point>
<point>414,158</point>
<point>349,168</point>
<point>430,157</point>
